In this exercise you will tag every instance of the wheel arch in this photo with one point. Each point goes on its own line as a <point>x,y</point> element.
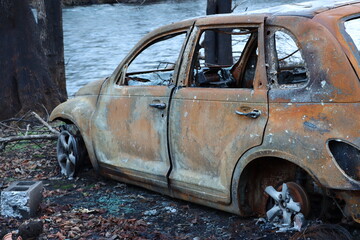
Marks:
<point>78,111</point>
<point>254,167</point>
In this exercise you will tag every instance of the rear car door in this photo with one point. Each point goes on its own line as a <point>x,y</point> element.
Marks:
<point>219,110</point>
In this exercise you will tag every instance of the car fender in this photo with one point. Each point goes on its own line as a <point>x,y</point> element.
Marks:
<point>79,111</point>
<point>250,156</point>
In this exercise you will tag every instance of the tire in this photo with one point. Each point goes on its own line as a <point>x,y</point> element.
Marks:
<point>71,151</point>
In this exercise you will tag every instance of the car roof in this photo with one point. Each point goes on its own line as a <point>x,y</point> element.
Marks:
<point>305,9</point>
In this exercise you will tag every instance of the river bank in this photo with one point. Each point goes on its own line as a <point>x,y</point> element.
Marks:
<point>89,2</point>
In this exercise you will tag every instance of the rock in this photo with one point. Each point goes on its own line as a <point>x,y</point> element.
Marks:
<point>31,230</point>
<point>170,209</point>
<point>21,199</point>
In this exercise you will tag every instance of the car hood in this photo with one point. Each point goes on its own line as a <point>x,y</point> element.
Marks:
<point>92,88</point>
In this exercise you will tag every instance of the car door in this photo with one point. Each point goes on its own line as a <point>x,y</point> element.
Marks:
<point>219,110</point>
<point>130,123</point>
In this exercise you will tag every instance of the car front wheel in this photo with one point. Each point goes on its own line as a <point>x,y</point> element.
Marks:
<point>70,151</point>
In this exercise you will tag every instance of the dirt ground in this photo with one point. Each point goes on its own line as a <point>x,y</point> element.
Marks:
<point>91,207</point>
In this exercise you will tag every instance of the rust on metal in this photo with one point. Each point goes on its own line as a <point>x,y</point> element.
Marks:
<point>219,135</point>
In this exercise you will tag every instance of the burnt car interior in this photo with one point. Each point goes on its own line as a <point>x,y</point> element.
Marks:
<point>237,71</point>
<point>285,57</point>
<point>159,70</point>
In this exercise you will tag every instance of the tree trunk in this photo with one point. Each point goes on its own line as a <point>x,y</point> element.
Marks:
<point>218,48</point>
<point>49,15</point>
<point>24,76</point>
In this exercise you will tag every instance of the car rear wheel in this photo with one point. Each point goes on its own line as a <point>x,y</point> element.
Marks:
<point>287,200</point>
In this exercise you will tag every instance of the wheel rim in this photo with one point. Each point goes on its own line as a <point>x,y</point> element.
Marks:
<point>299,195</point>
<point>289,200</point>
<point>67,154</point>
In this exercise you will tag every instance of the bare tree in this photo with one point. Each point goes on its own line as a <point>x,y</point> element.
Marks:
<point>218,46</point>
<point>49,15</point>
<point>25,80</point>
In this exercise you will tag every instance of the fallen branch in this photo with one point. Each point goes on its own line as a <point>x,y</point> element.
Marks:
<point>28,137</point>
<point>44,123</point>
<point>5,140</point>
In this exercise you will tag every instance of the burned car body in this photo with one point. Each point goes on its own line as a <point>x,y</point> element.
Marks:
<point>219,134</point>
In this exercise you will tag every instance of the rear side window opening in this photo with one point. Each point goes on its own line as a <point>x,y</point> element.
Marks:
<point>351,32</point>
<point>352,28</point>
<point>286,68</point>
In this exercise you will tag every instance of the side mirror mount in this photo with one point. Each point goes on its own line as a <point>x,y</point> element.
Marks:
<point>123,75</point>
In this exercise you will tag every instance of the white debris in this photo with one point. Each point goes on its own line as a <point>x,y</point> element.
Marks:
<point>323,83</point>
<point>260,221</point>
<point>150,212</point>
<point>299,221</point>
<point>170,209</point>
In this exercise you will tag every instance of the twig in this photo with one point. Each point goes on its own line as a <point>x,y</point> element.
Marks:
<point>44,123</point>
<point>38,136</point>
<point>47,112</point>
<point>67,62</point>
<point>236,5</point>
<point>27,129</point>
<point>10,127</point>
<point>16,120</point>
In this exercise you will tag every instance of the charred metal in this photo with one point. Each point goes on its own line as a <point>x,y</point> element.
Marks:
<point>281,110</point>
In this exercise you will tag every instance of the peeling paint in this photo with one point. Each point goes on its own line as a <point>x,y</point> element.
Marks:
<point>199,143</point>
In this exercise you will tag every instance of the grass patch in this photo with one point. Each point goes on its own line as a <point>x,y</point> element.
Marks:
<point>65,186</point>
<point>23,146</point>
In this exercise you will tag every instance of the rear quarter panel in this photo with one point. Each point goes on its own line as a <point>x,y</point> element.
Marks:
<point>303,119</point>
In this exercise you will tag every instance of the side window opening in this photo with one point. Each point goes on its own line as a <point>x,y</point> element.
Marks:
<point>287,67</point>
<point>353,30</point>
<point>155,65</point>
<point>227,64</point>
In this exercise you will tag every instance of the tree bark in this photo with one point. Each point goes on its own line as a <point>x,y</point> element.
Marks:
<point>49,15</point>
<point>218,48</point>
<point>24,76</point>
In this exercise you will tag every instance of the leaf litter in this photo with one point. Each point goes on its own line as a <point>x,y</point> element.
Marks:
<point>92,207</point>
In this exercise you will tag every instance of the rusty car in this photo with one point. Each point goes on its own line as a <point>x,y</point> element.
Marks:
<point>266,125</point>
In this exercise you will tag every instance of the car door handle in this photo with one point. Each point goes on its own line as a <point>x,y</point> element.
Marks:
<point>253,114</point>
<point>159,105</point>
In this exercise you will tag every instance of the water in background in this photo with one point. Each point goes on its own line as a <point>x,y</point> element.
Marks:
<point>97,37</point>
